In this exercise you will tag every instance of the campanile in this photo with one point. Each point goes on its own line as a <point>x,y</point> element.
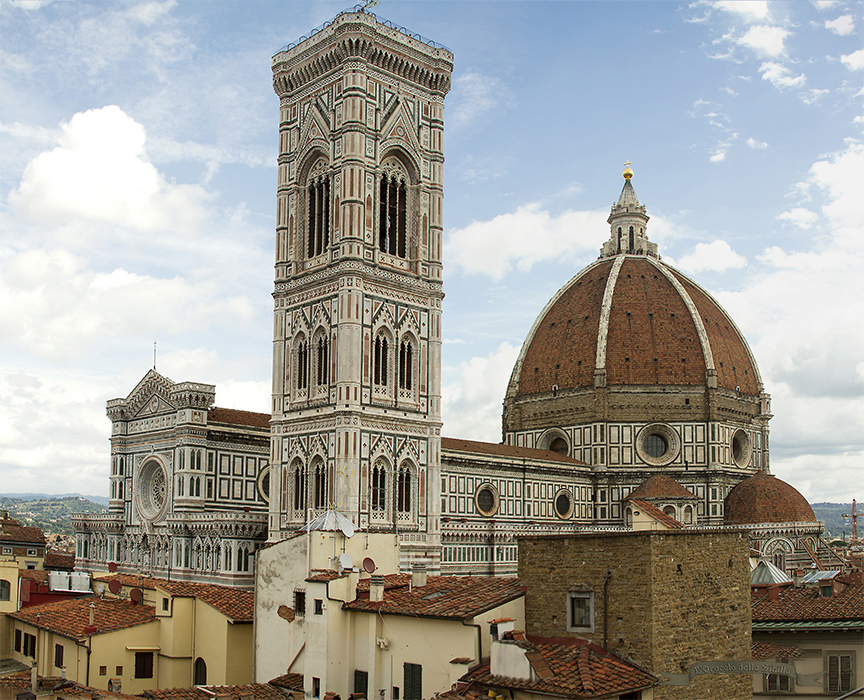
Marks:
<point>356,407</point>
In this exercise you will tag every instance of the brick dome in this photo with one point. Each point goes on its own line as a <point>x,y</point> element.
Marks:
<point>639,322</point>
<point>763,498</point>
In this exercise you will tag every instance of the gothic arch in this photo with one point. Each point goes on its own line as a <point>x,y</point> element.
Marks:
<point>405,491</point>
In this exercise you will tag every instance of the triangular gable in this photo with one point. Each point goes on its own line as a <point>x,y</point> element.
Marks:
<point>151,396</point>
<point>408,133</point>
<point>314,127</point>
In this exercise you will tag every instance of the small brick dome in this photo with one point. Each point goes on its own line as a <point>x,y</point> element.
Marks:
<point>641,322</point>
<point>763,498</point>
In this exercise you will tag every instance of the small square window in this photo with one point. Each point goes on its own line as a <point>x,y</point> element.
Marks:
<point>103,670</point>
<point>165,604</point>
<point>118,671</point>
<point>300,603</point>
<point>580,611</point>
<point>319,606</point>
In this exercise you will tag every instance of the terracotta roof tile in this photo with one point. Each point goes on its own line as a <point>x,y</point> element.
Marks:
<point>660,486</point>
<point>807,604</point>
<point>289,681</point>
<point>70,617</point>
<point>236,417</point>
<point>323,575</point>
<point>11,531</point>
<point>59,560</point>
<point>764,650</point>
<point>499,450</point>
<point>259,691</point>
<point>581,670</point>
<point>390,581</point>
<point>763,498</point>
<point>238,605</point>
<point>658,514</point>
<point>455,597</point>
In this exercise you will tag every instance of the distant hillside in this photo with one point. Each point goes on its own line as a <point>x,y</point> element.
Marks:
<point>39,496</point>
<point>831,513</point>
<point>52,514</point>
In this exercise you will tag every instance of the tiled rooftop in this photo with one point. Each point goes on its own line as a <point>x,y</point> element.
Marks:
<point>578,670</point>
<point>763,498</point>
<point>660,486</point>
<point>37,575</point>
<point>289,681</point>
<point>455,597</point>
<point>70,617</point>
<point>59,560</point>
<point>499,450</point>
<point>323,575</point>
<point>807,604</point>
<point>657,514</point>
<point>11,531</point>
<point>237,605</point>
<point>236,417</point>
<point>258,691</point>
<point>764,650</point>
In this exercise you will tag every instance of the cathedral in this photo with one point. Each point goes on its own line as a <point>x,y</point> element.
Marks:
<point>632,371</point>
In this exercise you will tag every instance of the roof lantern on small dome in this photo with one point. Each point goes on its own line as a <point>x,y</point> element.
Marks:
<point>628,223</point>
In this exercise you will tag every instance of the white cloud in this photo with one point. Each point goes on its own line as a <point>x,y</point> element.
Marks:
<point>757,145</point>
<point>522,238</point>
<point>813,95</point>
<point>843,25</point>
<point>780,76</point>
<point>718,156</point>
<point>99,172</point>
<point>765,40</point>
<point>824,4</point>
<point>56,307</point>
<point>471,407</point>
<point>800,217</point>
<point>854,61</point>
<point>473,94</point>
<point>716,256</point>
<point>746,10</point>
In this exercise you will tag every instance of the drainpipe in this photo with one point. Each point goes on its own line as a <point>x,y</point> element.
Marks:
<point>606,578</point>
<point>479,654</point>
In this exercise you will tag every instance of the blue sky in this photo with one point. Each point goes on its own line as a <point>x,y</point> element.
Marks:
<point>137,200</point>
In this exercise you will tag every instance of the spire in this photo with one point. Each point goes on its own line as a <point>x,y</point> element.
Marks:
<point>628,224</point>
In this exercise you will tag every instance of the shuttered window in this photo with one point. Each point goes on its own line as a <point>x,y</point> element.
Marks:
<point>143,664</point>
<point>413,685</point>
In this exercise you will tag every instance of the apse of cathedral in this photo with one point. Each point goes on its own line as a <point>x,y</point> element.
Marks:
<point>633,383</point>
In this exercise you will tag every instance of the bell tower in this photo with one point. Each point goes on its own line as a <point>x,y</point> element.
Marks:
<point>356,412</point>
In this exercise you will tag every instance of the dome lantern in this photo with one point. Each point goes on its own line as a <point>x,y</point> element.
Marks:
<point>628,223</point>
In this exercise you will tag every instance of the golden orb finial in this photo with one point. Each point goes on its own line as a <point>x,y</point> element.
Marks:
<point>627,172</point>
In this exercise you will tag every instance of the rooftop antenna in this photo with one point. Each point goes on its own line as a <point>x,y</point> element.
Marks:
<point>853,515</point>
<point>154,355</point>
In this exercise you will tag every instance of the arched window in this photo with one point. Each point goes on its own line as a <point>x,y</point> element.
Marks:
<point>379,490</point>
<point>302,364</point>
<point>688,515</point>
<point>120,490</point>
<point>180,486</point>
<point>406,365</point>
<point>299,486</point>
<point>669,510</point>
<point>630,249</point>
<point>182,458</point>
<point>403,492</point>
<point>200,672</point>
<point>227,558</point>
<point>319,475</point>
<point>121,466</point>
<point>322,365</point>
<point>393,209</point>
<point>197,486</point>
<point>380,354</point>
<point>318,211</point>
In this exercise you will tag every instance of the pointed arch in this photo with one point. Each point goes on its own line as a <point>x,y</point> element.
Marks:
<point>405,492</point>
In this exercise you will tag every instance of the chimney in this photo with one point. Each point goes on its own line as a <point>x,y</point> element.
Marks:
<point>798,578</point>
<point>376,588</point>
<point>418,574</point>
<point>92,613</point>
<point>34,679</point>
<point>773,593</point>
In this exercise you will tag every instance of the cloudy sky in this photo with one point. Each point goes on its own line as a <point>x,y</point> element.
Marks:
<point>137,200</point>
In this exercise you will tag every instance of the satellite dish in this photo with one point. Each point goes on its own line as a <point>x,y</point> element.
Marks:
<point>114,586</point>
<point>369,565</point>
<point>347,527</point>
<point>137,595</point>
<point>345,561</point>
<point>112,566</point>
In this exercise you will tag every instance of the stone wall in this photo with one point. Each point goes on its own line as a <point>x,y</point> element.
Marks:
<point>673,599</point>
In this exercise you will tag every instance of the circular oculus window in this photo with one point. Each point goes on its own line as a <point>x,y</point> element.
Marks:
<point>264,484</point>
<point>741,448</point>
<point>563,504</point>
<point>657,444</point>
<point>152,481</point>
<point>486,499</point>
